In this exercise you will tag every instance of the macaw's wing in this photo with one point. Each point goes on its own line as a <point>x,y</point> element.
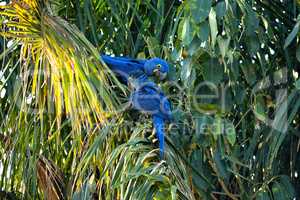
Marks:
<point>139,79</point>
<point>150,99</point>
<point>158,123</point>
<point>123,66</point>
<point>127,59</point>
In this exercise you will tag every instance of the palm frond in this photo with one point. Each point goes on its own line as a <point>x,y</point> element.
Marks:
<point>51,180</point>
<point>59,66</point>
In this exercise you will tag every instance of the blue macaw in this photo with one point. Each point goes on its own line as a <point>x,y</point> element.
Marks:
<point>124,66</point>
<point>146,96</point>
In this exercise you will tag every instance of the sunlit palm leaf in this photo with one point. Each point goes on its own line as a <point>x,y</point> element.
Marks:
<point>57,60</point>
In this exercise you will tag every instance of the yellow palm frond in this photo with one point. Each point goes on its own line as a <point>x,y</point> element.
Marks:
<point>64,66</point>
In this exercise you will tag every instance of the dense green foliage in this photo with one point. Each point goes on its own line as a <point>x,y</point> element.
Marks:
<point>234,89</point>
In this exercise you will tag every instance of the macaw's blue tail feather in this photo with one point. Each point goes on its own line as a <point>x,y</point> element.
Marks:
<point>158,123</point>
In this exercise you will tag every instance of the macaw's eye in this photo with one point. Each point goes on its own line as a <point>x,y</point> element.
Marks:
<point>157,69</point>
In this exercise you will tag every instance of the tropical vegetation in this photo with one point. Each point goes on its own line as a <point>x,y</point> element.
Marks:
<point>67,131</point>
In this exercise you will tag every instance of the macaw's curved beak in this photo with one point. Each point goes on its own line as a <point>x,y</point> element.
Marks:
<point>162,76</point>
<point>159,74</point>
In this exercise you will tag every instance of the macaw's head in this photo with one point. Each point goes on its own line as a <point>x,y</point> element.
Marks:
<point>157,67</point>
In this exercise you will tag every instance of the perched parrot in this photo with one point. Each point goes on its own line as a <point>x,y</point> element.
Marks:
<point>146,96</point>
<point>124,66</point>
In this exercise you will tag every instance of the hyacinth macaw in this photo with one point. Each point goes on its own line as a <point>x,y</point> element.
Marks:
<point>146,96</point>
<point>124,66</point>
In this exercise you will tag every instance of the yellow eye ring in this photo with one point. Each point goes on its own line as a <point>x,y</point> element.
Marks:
<point>158,66</point>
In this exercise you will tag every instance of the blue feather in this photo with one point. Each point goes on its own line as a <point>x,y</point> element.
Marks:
<point>146,97</point>
<point>139,62</point>
<point>123,67</point>
<point>150,99</point>
<point>158,123</point>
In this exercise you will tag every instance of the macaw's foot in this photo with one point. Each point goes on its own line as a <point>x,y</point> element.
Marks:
<point>154,140</point>
<point>153,135</point>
